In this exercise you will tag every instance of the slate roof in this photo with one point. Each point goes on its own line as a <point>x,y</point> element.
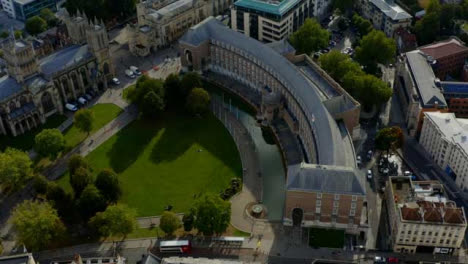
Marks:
<point>24,109</point>
<point>8,87</point>
<point>424,78</point>
<point>329,141</point>
<point>63,59</point>
<point>391,10</point>
<point>325,179</point>
<point>172,9</point>
<point>16,259</point>
<point>282,46</point>
<point>273,7</point>
<point>444,48</point>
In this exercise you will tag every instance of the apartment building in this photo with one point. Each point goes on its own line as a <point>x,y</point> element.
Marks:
<point>449,56</point>
<point>422,219</point>
<point>385,15</point>
<point>7,6</point>
<point>269,21</point>
<point>445,138</point>
<point>418,88</point>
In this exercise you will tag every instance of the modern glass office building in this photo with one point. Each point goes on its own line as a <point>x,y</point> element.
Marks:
<point>25,9</point>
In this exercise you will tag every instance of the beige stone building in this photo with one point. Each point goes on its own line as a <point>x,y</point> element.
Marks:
<point>305,110</point>
<point>161,22</point>
<point>385,15</point>
<point>422,218</point>
<point>35,89</point>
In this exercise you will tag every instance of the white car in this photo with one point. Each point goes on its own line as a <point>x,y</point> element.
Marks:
<point>407,173</point>
<point>358,160</point>
<point>130,74</point>
<point>115,81</point>
<point>135,70</point>
<point>369,174</point>
<point>82,101</point>
<point>71,107</point>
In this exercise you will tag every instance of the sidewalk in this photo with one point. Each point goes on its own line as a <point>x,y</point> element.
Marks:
<point>150,221</point>
<point>251,181</point>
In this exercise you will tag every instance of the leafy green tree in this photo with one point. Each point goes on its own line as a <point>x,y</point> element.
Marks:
<point>90,202</point>
<point>152,104</point>
<point>18,34</point>
<point>35,25</point>
<point>49,143</point>
<point>40,184</point>
<point>389,138</point>
<point>447,17</point>
<point>375,48</point>
<point>367,89</point>
<point>80,180</point>
<point>115,220</point>
<point>84,120</point>
<point>77,161</point>
<point>49,17</point>
<point>337,65</point>
<point>427,29</point>
<point>212,214</point>
<point>188,220</point>
<point>169,222</point>
<point>189,81</point>
<point>37,224</point>
<point>107,183</point>
<point>310,37</point>
<point>433,7</point>
<point>198,101</point>
<point>364,26</point>
<point>15,168</point>
<point>4,34</point>
<point>59,198</point>
<point>172,90</point>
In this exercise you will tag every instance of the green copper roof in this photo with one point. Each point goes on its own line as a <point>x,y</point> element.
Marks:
<point>272,7</point>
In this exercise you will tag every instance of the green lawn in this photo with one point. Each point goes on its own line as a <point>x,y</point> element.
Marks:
<point>330,238</point>
<point>103,114</point>
<point>26,141</point>
<point>168,161</point>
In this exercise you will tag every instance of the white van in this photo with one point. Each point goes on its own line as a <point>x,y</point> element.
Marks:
<point>135,70</point>
<point>71,107</point>
<point>129,74</point>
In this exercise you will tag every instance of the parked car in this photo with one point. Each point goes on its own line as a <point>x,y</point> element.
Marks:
<point>317,54</point>
<point>115,81</point>
<point>369,154</point>
<point>87,96</point>
<point>393,260</point>
<point>135,70</point>
<point>332,43</point>
<point>71,107</point>
<point>130,74</point>
<point>369,174</point>
<point>407,173</point>
<point>82,100</point>
<point>379,259</point>
<point>358,161</point>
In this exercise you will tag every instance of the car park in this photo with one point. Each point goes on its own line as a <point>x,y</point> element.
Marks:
<point>71,107</point>
<point>135,70</point>
<point>115,81</point>
<point>82,100</point>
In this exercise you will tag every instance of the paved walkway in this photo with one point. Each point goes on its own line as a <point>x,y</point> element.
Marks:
<point>251,181</point>
<point>150,221</point>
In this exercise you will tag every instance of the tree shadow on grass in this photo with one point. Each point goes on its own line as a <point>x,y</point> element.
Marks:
<point>131,141</point>
<point>182,131</point>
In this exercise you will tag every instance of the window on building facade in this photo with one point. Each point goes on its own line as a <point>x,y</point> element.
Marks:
<point>337,196</point>
<point>335,211</point>
<point>354,198</point>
